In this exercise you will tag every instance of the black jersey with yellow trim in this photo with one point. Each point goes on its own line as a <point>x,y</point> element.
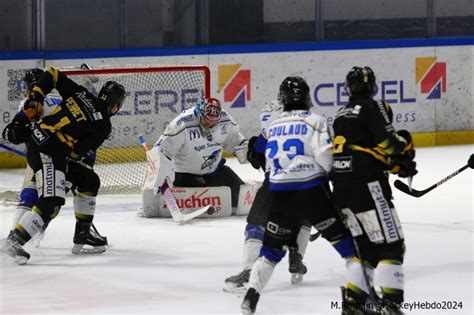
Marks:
<point>81,120</point>
<point>364,139</point>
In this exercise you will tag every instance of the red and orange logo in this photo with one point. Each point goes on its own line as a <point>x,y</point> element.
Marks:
<point>432,76</point>
<point>235,82</point>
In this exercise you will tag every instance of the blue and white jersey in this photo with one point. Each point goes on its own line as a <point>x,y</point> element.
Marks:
<point>298,151</point>
<point>49,103</point>
<point>269,113</point>
<point>197,150</point>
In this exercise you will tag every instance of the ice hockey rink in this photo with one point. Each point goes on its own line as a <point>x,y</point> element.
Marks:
<point>156,266</point>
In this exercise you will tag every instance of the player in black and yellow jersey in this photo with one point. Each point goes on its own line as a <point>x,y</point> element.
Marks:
<point>366,148</point>
<point>72,131</point>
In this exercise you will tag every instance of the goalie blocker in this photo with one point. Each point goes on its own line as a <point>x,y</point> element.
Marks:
<point>189,199</point>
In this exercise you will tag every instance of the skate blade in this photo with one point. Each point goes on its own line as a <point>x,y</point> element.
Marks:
<point>296,278</point>
<point>80,249</point>
<point>229,289</point>
<point>246,309</point>
<point>21,260</point>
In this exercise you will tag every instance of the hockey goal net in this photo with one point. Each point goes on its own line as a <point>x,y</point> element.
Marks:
<point>155,95</point>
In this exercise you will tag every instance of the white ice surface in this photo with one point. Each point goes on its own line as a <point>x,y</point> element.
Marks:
<point>155,266</point>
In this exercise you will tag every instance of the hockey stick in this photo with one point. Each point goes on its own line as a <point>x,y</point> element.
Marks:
<point>376,300</point>
<point>418,193</point>
<point>167,194</point>
<point>13,150</point>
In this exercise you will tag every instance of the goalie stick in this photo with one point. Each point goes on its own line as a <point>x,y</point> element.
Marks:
<point>418,193</point>
<point>167,194</point>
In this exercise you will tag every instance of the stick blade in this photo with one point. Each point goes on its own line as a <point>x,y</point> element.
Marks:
<point>192,215</point>
<point>404,188</point>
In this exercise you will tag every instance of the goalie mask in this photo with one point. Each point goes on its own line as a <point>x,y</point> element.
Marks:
<point>294,94</point>
<point>360,81</point>
<point>32,77</point>
<point>113,94</point>
<point>209,111</point>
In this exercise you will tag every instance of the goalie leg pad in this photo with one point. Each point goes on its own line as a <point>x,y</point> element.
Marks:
<point>226,177</point>
<point>150,203</point>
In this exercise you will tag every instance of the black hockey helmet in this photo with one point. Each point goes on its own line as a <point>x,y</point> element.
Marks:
<point>360,81</point>
<point>294,93</point>
<point>113,94</point>
<point>32,77</point>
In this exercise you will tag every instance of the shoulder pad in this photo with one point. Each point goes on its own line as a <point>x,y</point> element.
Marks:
<point>273,106</point>
<point>225,116</point>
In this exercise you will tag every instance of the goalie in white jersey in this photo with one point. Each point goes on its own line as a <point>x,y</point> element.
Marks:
<point>299,155</point>
<point>189,152</point>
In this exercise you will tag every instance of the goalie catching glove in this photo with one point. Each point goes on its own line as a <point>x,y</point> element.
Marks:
<point>241,152</point>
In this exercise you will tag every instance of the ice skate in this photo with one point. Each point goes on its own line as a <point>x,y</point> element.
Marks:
<point>87,240</point>
<point>12,246</point>
<point>249,305</point>
<point>296,266</point>
<point>390,308</point>
<point>351,305</point>
<point>237,283</point>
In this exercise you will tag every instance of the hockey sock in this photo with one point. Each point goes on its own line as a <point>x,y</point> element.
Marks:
<point>302,239</point>
<point>391,278</point>
<point>261,273</point>
<point>252,245</point>
<point>84,208</point>
<point>356,278</point>
<point>29,225</point>
<point>20,211</point>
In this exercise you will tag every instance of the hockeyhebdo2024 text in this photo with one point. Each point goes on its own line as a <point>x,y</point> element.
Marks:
<point>409,306</point>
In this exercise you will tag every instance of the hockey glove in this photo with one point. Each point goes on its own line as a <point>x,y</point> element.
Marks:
<point>33,106</point>
<point>470,162</point>
<point>241,152</point>
<point>256,159</point>
<point>16,133</point>
<point>405,134</point>
<point>403,166</point>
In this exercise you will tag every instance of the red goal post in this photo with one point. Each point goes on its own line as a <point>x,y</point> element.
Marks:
<point>155,95</point>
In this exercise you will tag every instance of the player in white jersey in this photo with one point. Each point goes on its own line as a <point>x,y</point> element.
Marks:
<point>189,152</point>
<point>257,217</point>
<point>299,156</point>
<point>79,175</point>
